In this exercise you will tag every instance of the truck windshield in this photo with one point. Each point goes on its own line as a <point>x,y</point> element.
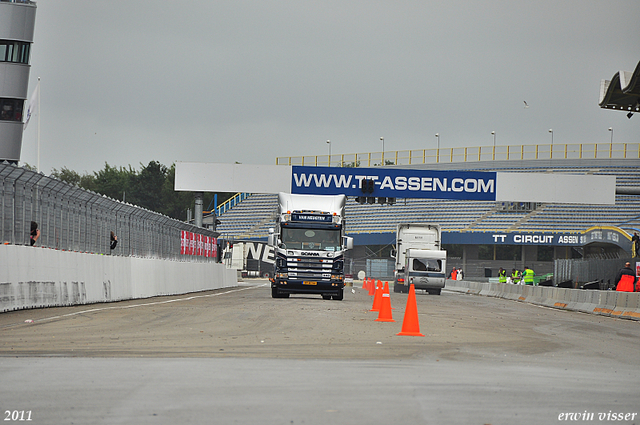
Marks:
<point>317,239</point>
<point>426,265</point>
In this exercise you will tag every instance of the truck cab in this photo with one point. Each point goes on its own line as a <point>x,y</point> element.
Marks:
<point>424,269</point>
<point>309,244</point>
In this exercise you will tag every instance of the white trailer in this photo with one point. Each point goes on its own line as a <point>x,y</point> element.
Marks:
<point>420,259</point>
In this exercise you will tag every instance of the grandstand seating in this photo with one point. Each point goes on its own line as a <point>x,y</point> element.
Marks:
<point>252,217</point>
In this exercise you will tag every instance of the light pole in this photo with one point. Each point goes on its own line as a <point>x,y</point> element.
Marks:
<point>438,148</point>
<point>382,138</point>
<point>551,131</point>
<point>494,145</point>
<point>329,143</point>
<point>611,142</point>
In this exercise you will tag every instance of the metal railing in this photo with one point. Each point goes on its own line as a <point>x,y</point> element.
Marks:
<point>474,154</point>
<point>231,202</point>
<point>74,219</point>
<point>589,270</point>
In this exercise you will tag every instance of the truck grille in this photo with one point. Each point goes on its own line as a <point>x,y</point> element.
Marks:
<point>307,268</point>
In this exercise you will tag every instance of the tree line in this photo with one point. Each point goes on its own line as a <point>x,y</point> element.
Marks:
<point>151,187</point>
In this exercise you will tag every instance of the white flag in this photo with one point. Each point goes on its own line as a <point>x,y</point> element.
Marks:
<point>32,106</point>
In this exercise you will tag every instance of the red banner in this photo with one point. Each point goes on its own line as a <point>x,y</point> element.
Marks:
<point>197,244</point>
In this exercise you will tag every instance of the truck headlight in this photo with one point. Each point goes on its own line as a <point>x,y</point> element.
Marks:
<point>282,275</point>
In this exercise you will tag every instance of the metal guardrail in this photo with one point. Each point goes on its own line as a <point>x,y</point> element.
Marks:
<point>474,154</point>
<point>590,269</point>
<point>74,219</point>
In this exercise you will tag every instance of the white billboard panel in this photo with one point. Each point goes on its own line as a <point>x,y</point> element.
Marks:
<point>556,188</point>
<point>211,177</point>
<point>398,183</point>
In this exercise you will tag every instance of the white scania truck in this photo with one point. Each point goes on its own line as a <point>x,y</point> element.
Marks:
<point>420,259</point>
<point>310,243</point>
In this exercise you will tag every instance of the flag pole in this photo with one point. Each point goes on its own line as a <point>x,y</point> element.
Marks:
<point>38,136</point>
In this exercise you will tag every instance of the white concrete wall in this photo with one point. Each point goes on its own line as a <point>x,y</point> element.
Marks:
<point>625,305</point>
<point>33,277</point>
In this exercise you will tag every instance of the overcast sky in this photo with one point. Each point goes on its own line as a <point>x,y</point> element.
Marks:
<point>127,82</point>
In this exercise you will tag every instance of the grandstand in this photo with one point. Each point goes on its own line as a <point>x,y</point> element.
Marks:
<point>462,222</point>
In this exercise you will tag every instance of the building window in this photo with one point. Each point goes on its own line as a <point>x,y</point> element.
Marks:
<point>11,109</point>
<point>14,51</point>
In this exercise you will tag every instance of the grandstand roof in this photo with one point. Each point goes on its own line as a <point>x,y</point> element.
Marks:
<point>622,92</point>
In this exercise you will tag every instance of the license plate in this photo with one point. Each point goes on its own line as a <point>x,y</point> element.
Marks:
<point>307,282</point>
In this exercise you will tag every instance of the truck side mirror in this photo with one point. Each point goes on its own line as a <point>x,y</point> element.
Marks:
<point>272,239</point>
<point>392,254</point>
<point>348,242</point>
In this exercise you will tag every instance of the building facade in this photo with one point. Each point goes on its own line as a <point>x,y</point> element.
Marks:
<point>17,23</point>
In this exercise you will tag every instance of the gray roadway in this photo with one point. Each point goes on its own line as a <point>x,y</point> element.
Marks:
<point>237,356</point>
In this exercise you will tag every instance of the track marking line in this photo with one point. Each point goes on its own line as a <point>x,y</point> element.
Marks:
<point>93,310</point>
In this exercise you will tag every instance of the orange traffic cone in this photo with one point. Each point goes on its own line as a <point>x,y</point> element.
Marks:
<point>377,297</point>
<point>384,315</point>
<point>372,287</point>
<point>410,323</point>
<point>365,284</point>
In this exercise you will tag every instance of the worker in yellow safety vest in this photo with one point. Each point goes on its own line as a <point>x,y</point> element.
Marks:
<point>515,276</point>
<point>528,274</point>
<point>502,275</point>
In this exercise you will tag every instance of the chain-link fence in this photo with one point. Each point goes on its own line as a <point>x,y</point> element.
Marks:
<point>74,219</point>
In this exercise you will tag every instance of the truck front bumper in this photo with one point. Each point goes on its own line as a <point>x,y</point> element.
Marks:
<point>292,286</point>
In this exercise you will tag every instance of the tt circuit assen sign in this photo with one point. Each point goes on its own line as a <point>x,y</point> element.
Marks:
<point>394,183</point>
<point>609,235</point>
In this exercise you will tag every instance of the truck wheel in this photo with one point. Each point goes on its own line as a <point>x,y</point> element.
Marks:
<point>434,291</point>
<point>340,296</point>
<point>397,287</point>
<point>266,275</point>
<point>326,297</point>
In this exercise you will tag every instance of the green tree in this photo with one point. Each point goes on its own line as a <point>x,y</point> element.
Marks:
<point>152,187</point>
<point>66,175</point>
<point>175,203</point>
<point>112,182</point>
<point>147,185</point>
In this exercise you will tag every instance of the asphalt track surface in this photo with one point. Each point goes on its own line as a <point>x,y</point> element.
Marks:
<point>238,356</point>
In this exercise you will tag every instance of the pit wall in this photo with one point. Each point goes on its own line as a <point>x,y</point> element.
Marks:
<point>32,277</point>
<point>625,305</point>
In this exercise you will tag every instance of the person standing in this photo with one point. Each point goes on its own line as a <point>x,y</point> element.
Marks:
<point>528,275</point>
<point>454,274</point>
<point>515,276</point>
<point>635,245</point>
<point>114,241</point>
<point>626,280</point>
<point>34,234</point>
<point>502,275</point>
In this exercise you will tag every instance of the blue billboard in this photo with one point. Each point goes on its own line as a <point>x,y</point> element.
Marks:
<point>394,183</point>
